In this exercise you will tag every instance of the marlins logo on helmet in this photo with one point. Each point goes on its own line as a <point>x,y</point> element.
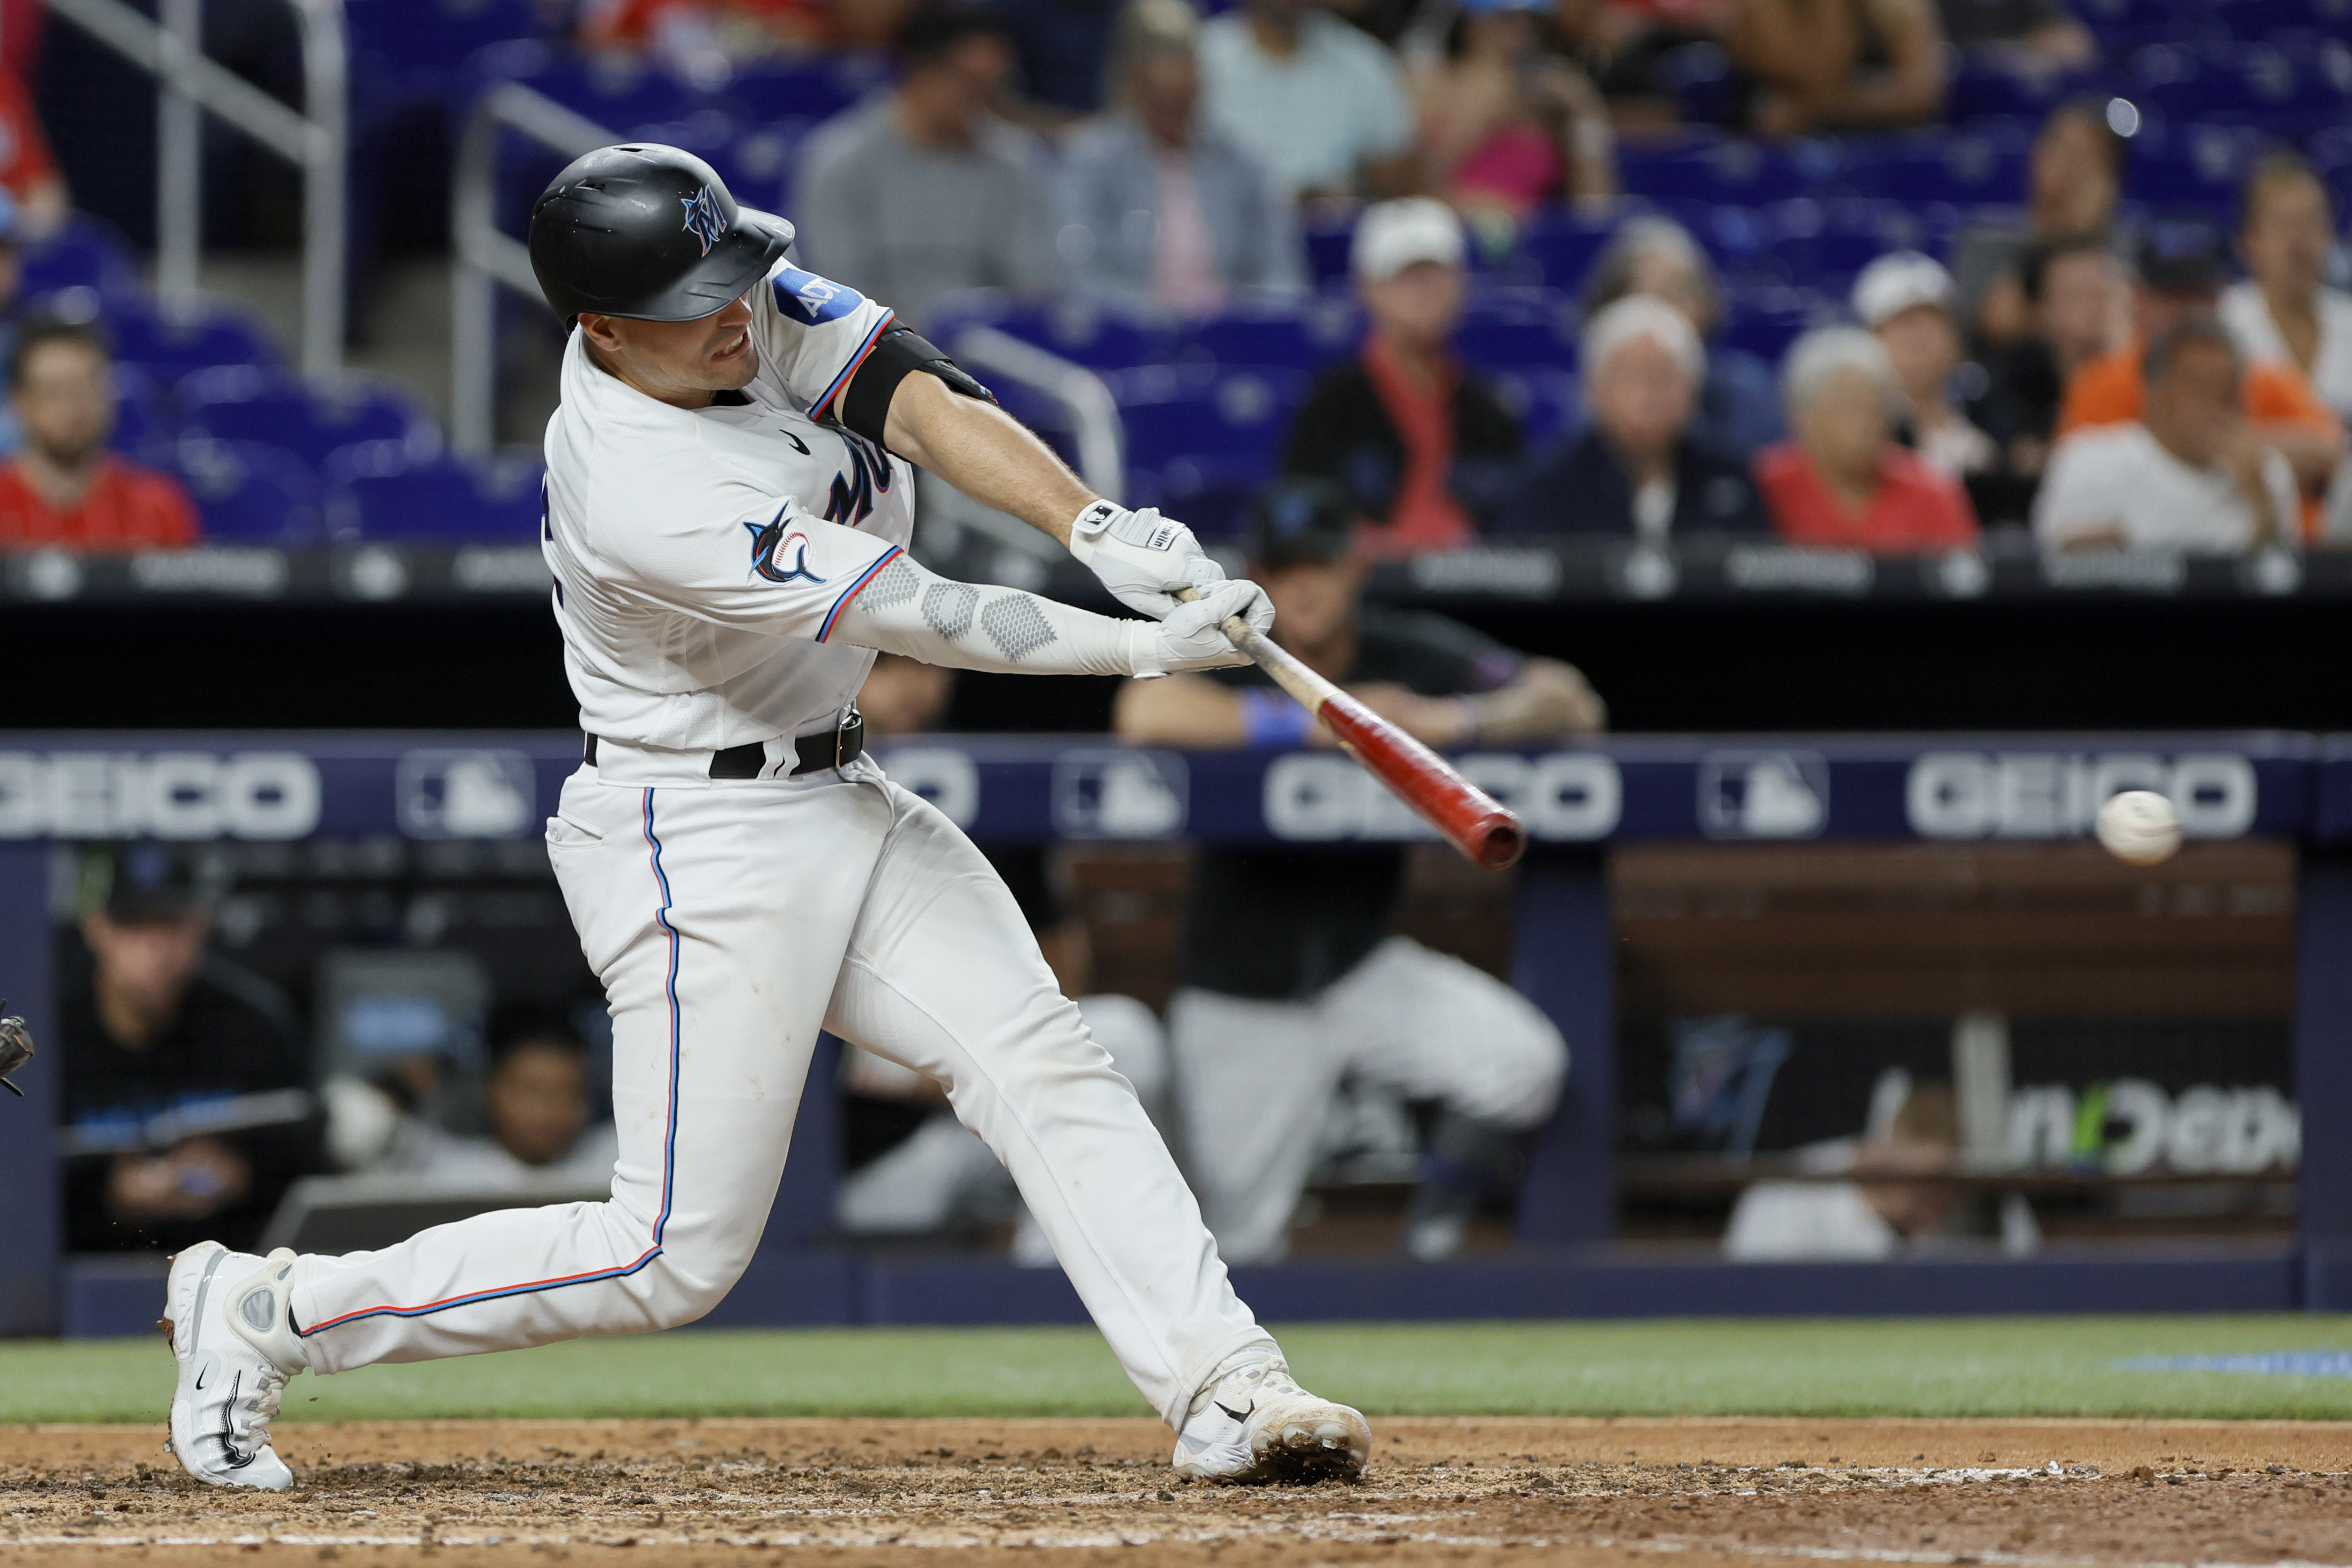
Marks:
<point>703,218</point>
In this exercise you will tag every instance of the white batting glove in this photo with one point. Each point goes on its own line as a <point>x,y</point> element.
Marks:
<point>1141,556</point>
<point>1191,638</point>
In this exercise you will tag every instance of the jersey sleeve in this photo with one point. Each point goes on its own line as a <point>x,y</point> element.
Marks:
<point>773,569</point>
<point>814,334</point>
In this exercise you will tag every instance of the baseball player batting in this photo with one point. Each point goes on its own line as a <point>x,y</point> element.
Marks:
<point>728,504</point>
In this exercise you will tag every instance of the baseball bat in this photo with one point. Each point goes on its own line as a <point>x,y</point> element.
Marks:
<point>1468,818</point>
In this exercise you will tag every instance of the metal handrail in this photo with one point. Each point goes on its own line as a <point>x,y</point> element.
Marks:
<point>486,257</point>
<point>1084,397</point>
<point>316,138</point>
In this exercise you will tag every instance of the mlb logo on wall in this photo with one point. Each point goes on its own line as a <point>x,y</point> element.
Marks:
<point>1120,795</point>
<point>1763,794</point>
<point>466,794</point>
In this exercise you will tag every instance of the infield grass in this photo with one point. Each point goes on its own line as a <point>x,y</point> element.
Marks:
<point>1931,1368</point>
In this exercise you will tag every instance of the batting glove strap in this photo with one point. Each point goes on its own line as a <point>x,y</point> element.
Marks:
<point>1141,556</point>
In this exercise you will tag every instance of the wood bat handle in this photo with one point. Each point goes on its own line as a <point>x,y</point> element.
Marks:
<point>1471,821</point>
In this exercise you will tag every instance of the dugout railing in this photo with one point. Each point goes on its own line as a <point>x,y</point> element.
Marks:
<point>2281,789</point>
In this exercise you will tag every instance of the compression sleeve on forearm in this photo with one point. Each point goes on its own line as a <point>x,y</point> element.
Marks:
<point>911,610</point>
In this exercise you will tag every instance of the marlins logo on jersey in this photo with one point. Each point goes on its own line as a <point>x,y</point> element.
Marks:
<point>704,221</point>
<point>780,553</point>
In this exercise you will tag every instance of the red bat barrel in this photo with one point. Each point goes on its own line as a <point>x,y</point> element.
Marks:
<point>1478,825</point>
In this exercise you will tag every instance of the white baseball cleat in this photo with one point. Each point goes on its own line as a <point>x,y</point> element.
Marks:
<point>1254,1425</point>
<point>230,1327</point>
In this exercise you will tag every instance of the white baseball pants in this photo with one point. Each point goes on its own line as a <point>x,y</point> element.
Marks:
<point>1253,1077</point>
<point>730,922</point>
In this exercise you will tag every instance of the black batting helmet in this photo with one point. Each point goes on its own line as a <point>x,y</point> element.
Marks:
<point>649,231</point>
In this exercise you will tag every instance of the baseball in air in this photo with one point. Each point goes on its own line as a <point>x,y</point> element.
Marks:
<point>2139,826</point>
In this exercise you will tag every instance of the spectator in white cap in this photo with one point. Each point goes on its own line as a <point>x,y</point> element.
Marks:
<point>1426,451</point>
<point>1637,470</point>
<point>1906,299</point>
<point>1845,482</point>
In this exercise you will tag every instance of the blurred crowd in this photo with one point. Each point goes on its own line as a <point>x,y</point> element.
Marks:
<point>2092,375</point>
<point>2099,380</point>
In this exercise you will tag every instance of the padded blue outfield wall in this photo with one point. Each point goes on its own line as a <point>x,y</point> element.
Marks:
<point>1950,788</point>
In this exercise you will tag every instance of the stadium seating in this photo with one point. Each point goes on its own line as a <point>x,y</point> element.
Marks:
<point>2214,83</point>
<point>248,492</point>
<point>1201,438</point>
<point>381,490</point>
<point>248,402</point>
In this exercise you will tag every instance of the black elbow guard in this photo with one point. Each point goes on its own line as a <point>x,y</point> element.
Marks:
<point>864,408</point>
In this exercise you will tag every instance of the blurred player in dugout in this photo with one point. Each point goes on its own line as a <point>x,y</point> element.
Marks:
<point>1292,981</point>
<point>187,1112</point>
<point>939,1175</point>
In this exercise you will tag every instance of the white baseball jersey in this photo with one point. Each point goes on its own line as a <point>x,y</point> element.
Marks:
<point>701,557</point>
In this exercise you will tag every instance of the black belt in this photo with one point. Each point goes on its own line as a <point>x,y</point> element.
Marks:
<point>827,748</point>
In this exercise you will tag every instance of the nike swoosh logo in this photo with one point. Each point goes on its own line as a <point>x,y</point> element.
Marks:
<point>203,1373</point>
<point>1237,1415</point>
<point>796,440</point>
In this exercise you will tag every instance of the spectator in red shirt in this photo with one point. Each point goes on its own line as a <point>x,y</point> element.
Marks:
<point>1843,481</point>
<point>28,172</point>
<point>63,487</point>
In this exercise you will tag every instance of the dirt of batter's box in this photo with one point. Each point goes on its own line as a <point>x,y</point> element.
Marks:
<point>1468,1491</point>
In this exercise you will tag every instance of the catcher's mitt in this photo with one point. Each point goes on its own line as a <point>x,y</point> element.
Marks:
<point>15,1045</point>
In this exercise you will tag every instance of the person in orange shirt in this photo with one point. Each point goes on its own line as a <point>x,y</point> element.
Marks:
<point>1844,482</point>
<point>2181,264</point>
<point>63,488</point>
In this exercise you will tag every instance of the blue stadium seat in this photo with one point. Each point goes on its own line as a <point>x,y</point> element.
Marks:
<point>1548,402</point>
<point>411,48</point>
<point>761,160</point>
<point>250,494</point>
<point>240,403</point>
<point>1821,245</point>
<point>1304,336</point>
<point>1764,321</point>
<point>805,89</point>
<point>1984,163</point>
<point>2193,165</point>
<point>142,418</point>
<point>1201,440</point>
<point>2245,84</point>
<point>612,89</point>
<point>376,490</point>
<point>1099,334</point>
<point>171,347</point>
<point>1734,169</point>
<point>2255,21</point>
<point>87,253</point>
<point>1329,241</point>
<point>1560,247</point>
<point>1519,328</point>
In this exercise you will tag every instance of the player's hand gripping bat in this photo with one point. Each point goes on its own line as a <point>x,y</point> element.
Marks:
<point>15,1045</point>
<point>1471,821</point>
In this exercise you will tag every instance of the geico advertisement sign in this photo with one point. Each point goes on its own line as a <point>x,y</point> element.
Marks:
<point>163,795</point>
<point>1569,795</point>
<point>2044,795</point>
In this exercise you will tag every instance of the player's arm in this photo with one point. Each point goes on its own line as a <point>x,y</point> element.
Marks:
<point>908,610</point>
<point>918,403</point>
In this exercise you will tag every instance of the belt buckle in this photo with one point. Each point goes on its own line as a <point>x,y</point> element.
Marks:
<point>851,721</point>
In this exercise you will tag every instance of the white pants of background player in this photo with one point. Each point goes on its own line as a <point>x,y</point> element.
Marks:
<point>730,923</point>
<point>942,1172</point>
<point>1253,1077</point>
